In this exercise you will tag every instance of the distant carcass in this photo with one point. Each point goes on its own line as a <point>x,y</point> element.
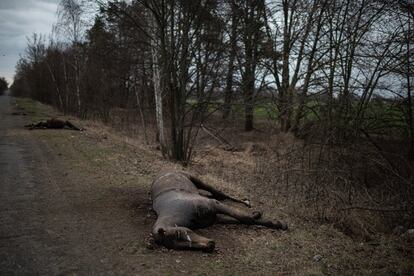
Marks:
<point>53,124</point>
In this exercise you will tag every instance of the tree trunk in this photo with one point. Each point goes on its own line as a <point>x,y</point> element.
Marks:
<point>158,99</point>
<point>310,66</point>
<point>66,79</point>
<point>58,94</point>
<point>248,91</point>
<point>77,84</point>
<point>252,14</point>
<point>285,93</point>
<point>409,99</point>
<point>157,88</point>
<point>228,92</point>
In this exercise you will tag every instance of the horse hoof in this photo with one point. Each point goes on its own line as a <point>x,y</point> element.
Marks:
<point>257,214</point>
<point>210,247</point>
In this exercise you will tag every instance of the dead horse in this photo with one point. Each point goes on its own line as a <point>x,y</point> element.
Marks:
<point>183,202</point>
<point>53,124</point>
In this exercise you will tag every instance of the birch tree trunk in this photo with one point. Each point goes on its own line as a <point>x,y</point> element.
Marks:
<point>77,87</point>
<point>58,93</point>
<point>66,79</point>
<point>229,78</point>
<point>409,93</point>
<point>156,78</point>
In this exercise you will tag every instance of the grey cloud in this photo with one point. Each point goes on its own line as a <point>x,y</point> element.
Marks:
<point>20,19</point>
<point>23,4</point>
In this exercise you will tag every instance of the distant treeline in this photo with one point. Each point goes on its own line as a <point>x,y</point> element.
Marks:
<point>3,85</point>
<point>338,68</point>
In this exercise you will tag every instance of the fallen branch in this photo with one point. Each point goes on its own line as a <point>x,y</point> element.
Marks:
<point>218,138</point>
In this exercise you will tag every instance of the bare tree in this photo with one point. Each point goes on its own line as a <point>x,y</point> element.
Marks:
<point>296,38</point>
<point>72,25</point>
<point>251,20</point>
<point>400,65</point>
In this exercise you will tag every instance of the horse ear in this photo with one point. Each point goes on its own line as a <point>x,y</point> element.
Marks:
<point>161,232</point>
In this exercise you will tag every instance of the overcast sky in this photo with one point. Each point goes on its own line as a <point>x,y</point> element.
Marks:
<point>18,20</point>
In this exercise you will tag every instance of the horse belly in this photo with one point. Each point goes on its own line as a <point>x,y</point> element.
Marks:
<point>190,210</point>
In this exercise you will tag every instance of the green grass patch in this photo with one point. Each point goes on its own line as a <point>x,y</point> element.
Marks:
<point>34,109</point>
<point>266,111</point>
<point>260,111</point>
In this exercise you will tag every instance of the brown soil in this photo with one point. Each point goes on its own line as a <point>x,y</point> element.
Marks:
<point>83,208</point>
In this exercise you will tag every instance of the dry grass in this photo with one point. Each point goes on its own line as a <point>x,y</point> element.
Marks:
<point>350,186</point>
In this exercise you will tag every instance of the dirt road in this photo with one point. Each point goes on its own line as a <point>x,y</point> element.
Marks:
<point>41,230</point>
<point>52,219</point>
<point>20,199</point>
